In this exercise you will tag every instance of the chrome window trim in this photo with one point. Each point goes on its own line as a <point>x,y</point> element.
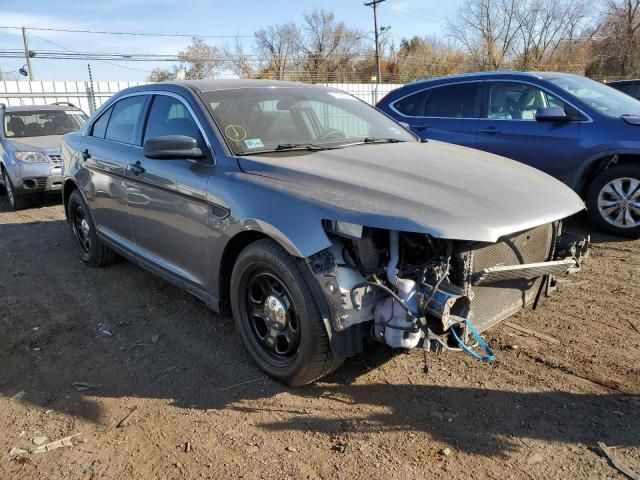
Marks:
<point>560,97</point>
<point>177,96</point>
<point>392,105</point>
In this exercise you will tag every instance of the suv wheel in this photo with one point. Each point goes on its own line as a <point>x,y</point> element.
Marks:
<point>613,200</point>
<point>16,200</point>
<point>277,316</point>
<point>92,251</point>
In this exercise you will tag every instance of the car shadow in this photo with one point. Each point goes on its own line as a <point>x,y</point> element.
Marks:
<point>137,337</point>
<point>580,224</point>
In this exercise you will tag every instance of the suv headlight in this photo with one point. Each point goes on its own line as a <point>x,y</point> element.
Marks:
<point>32,157</point>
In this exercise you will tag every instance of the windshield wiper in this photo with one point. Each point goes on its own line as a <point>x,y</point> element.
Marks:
<point>300,146</point>
<point>287,147</point>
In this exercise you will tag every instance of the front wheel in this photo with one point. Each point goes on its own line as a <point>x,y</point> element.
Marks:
<point>277,317</point>
<point>613,200</point>
<point>16,200</point>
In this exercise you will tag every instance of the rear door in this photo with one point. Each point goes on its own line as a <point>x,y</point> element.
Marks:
<point>509,127</point>
<point>448,113</point>
<point>108,147</point>
<point>167,202</point>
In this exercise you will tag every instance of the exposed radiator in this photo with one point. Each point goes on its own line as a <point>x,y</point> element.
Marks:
<point>495,301</point>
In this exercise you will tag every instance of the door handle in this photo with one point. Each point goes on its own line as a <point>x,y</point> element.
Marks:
<point>85,154</point>
<point>490,130</point>
<point>421,127</point>
<point>136,168</point>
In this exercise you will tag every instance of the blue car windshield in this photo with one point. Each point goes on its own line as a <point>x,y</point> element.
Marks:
<point>598,96</point>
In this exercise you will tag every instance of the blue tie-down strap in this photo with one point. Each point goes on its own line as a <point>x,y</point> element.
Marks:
<point>488,357</point>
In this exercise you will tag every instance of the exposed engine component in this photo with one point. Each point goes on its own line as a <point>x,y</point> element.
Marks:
<point>396,320</point>
<point>413,287</point>
<point>446,301</point>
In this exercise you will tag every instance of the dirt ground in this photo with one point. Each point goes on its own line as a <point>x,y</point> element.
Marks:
<point>201,409</point>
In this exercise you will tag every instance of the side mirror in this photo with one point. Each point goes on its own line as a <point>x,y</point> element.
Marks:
<point>169,147</point>
<point>551,114</point>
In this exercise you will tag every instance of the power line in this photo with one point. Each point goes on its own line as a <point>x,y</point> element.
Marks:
<point>79,53</point>
<point>139,34</point>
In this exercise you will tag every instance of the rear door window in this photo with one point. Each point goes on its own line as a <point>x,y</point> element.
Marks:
<point>453,101</point>
<point>124,119</point>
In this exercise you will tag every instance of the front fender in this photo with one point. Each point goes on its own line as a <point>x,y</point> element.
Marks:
<point>577,181</point>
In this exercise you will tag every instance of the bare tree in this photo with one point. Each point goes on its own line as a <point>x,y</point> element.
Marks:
<point>544,26</point>
<point>161,75</point>
<point>616,48</point>
<point>424,57</point>
<point>487,29</point>
<point>328,46</point>
<point>238,61</point>
<point>276,46</point>
<point>198,60</point>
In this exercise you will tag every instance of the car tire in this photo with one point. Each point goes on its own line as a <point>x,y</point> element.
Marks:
<point>277,316</point>
<point>16,200</point>
<point>92,251</point>
<point>606,205</point>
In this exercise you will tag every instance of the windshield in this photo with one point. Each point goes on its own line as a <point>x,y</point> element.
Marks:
<point>598,96</point>
<point>40,123</point>
<point>254,120</point>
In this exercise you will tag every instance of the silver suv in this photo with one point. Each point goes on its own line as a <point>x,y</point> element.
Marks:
<point>30,161</point>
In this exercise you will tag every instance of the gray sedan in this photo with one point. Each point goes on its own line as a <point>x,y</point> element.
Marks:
<point>314,219</point>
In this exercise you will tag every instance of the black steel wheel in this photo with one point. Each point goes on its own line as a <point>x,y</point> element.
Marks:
<point>92,251</point>
<point>277,316</point>
<point>272,315</point>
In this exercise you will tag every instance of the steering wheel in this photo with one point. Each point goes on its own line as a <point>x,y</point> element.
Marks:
<point>332,134</point>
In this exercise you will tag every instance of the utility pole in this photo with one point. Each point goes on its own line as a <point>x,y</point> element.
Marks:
<point>374,4</point>
<point>27,56</point>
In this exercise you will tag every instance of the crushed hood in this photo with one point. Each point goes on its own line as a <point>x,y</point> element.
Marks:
<point>445,190</point>
<point>49,143</point>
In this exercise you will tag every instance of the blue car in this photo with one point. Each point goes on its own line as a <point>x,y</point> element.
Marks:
<point>580,131</point>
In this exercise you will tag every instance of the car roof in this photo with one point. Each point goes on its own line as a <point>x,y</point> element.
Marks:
<point>493,74</point>
<point>39,108</point>
<point>224,84</point>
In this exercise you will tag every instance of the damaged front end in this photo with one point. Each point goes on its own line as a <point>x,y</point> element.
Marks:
<point>403,288</point>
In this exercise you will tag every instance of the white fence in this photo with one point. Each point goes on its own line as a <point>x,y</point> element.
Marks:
<point>14,93</point>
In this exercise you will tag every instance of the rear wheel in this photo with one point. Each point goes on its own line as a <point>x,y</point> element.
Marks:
<point>16,200</point>
<point>92,251</point>
<point>613,200</point>
<point>277,317</point>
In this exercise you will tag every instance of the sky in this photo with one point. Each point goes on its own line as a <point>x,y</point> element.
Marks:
<point>189,17</point>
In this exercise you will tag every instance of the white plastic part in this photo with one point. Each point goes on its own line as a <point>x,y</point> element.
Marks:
<point>391,320</point>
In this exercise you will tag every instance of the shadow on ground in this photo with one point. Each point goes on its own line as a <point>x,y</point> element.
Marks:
<point>198,362</point>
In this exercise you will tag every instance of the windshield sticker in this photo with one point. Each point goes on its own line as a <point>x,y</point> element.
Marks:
<point>341,96</point>
<point>253,143</point>
<point>235,133</point>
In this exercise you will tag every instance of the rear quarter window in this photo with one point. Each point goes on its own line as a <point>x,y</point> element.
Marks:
<point>411,104</point>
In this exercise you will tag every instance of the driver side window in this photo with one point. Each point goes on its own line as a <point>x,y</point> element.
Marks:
<point>518,101</point>
<point>169,116</point>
